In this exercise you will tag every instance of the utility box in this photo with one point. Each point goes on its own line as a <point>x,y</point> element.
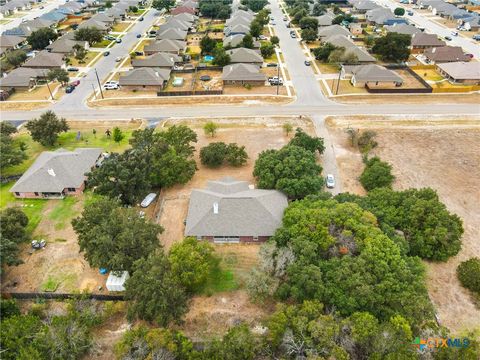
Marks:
<point>117,283</point>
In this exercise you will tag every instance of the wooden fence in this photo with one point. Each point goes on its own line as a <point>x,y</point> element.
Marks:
<point>61,296</point>
<point>190,93</point>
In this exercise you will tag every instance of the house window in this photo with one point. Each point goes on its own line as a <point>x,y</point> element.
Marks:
<point>255,238</point>
<point>71,189</point>
<point>36,193</point>
<point>17,193</point>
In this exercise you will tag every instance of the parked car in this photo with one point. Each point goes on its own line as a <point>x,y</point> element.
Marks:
<point>262,37</point>
<point>42,7</point>
<point>139,53</point>
<point>293,35</point>
<point>205,78</point>
<point>275,80</point>
<point>75,83</point>
<point>118,41</point>
<point>285,18</point>
<point>141,19</point>
<point>307,63</point>
<point>454,33</point>
<point>139,36</point>
<point>148,200</point>
<point>272,64</point>
<point>111,85</point>
<point>69,89</point>
<point>72,69</point>
<point>448,38</point>
<point>476,37</point>
<point>110,37</point>
<point>410,13</point>
<point>330,181</point>
<point>106,53</point>
<point>118,59</point>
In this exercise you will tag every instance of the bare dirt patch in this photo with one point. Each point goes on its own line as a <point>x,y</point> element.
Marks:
<point>439,153</point>
<point>256,134</point>
<point>16,106</point>
<point>409,99</point>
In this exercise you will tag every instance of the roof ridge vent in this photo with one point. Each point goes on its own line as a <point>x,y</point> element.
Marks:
<point>215,207</point>
<point>51,172</point>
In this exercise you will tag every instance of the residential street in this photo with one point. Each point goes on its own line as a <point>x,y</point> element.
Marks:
<point>76,100</point>
<point>468,44</point>
<point>32,14</point>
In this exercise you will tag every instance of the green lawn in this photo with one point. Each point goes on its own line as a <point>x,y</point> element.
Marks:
<point>90,56</point>
<point>220,280</point>
<point>31,207</point>
<point>53,282</point>
<point>102,44</point>
<point>67,141</point>
<point>64,212</point>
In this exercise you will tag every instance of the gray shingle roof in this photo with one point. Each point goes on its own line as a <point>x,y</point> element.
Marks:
<point>233,40</point>
<point>64,45</point>
<point>173,23</point>
<point>54,171</point>
<point>157,60</point>
<point>172,34</point>
<point>324,20</point>
<point>446,54</point>
<point>145,76</point>
<point>423,39</point>
<point>165,45</point>
<point>45,59</point>
<point>186,17</point>
<point>241,211</point>
<point>350,47</point>
<point>244,55</point>
<point>373,73</point>
<point>242,72</point>
<point>402,29</point>
<point>10,41</point>
<point>462,70</point>
<point>333,30</point>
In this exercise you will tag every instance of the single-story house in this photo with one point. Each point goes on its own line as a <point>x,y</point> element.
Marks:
<point>158,60</point>
<point>362,6</point>
<point>371,74</point>
<point>55,16</point>
<point>65,45</point>
<point>405,29</point>
<point>249,14</point>
<point>183,9</point>
<point>238,20</point>
<point>230,211</point>
<point>173,23</point>
<point>46,60</point>
<point>461,72</point>
<point>471,23</point>
<point>107,19</point>
<point>422,41</point>
<point>185,17</point>
<point>236,29</point>
<point>325,20</point>
<point>145,78</point>
<point>383,16</point>
<point>331,30</point>
<point>190,3</point>
<point>246,56</point>
<point>165,45</point>
<point>100,25</point>
<point>21,78</point>
<point>350,48</point>
<point>172,34</point>
<point>445,54</point>
<point>11,42</point>
<point>116,13</point>
<point>55,174</point>
<point>233,40</point>
<point>235,74</point>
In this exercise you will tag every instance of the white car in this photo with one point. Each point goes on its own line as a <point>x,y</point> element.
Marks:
<point>262,37</point>
<point>330,181</point>
<point>111,85</point>
<point>148,200</point>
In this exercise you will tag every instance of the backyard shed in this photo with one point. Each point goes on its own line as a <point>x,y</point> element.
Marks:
<point>117,283</point>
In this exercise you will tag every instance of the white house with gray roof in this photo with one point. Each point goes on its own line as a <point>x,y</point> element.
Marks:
<point>232,211</point>
<point>371,74</point>
<point>55,174</point>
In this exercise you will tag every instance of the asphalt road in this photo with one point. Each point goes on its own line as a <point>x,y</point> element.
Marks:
<point>77,99</point>
<point>468,44</point>
<point>32,14</point>
<point>303,78</point>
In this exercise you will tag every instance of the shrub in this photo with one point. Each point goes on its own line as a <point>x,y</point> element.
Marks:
<point>468,272</point>
<point>376,174</point>
<point>213,154</point>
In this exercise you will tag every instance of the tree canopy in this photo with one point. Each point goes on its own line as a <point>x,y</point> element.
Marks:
<point>16,57</point>
<point>46,128</point>
<point>91,35</point>
<point>114,237</point>
<point>393,47</point>
<point>13,152</point>
<point>310,143</point>
<point>61,75</point>
<point>13,222</point>
<point>215,9</point>
<point>207,45</point>
<point>468,273</point>
<point>292,169</point>
<point>163,4</point>
<point>41,38</point>
<point>377,174</point>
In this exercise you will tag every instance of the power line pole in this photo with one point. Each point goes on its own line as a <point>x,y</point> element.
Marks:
<point>94,92</point>
<point>99,86</point>
<point>278,76</point>
<point>48,86</point>
<point>338,81</point>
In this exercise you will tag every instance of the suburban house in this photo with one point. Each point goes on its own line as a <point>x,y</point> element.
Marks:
<point>233,40</point>
<point>246,56</point>
<point>372,75</point>
<point>172,34</point>
<point>46,60</point>
<point>100,25</point>
<point>11,42</point>
<point>355,28</point>
<point>173,23</point>
<point>55,174</point>
<point>183,9</point>
<point>238,20</point>
<point>325,20</point>
<point>241,74</point>
<point>236,29</point>
<point>350,48</point>
<point>471,23</point>
<point>422,41</point>
<point>331,30</point>
<point>145,78</point>
<point>461,72</point>
<point>165,45</point>
<point>445,54</point>
<point>405,29</point>
<point>64,45</point>
<point>186,17</point>
<point>231,211</point>
<point>383,16</point>
<point>158,60</point>
<point>21,78</point>
<point>110,20</point>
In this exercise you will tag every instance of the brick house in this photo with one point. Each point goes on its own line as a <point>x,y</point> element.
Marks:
<point>230,211</point>
<point>55,174</point>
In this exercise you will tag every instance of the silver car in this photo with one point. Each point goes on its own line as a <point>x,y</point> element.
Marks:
<point>330,181</point>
